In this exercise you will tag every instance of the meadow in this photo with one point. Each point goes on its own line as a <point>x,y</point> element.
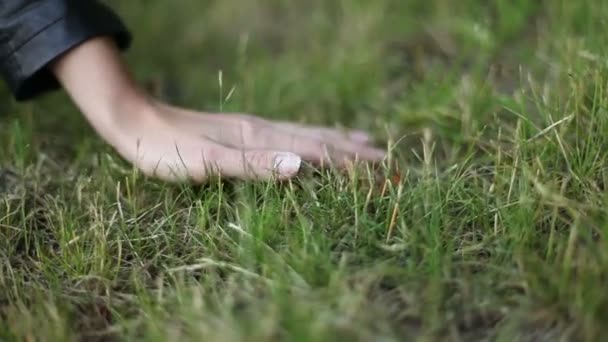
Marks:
<point>490,224</point>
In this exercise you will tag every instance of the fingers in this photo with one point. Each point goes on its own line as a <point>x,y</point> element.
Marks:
<point>322,133</point>
<point>198,161</point>
<point>250,146</point>
<point>321,148</point>
<point>317,145</point>
<point>258,164</point>
<point>322,144</point>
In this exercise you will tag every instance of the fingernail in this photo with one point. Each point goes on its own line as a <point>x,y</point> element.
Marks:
<point>287,164</point>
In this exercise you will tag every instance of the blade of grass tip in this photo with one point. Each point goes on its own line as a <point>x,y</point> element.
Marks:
<point>220,79</point>
<point>370,191</point>
<point>516,164</point>
<point>550,127</point>
<point>562,148</point>
<point>395,213</point>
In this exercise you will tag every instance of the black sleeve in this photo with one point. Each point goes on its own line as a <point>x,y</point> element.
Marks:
<point>34,32</point>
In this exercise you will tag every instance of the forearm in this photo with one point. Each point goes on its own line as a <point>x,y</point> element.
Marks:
<point>100,84</point>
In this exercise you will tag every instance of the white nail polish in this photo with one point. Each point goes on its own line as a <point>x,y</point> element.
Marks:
<point>287,164</point>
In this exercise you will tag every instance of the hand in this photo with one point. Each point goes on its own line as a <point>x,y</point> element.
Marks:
<point>176,144</point>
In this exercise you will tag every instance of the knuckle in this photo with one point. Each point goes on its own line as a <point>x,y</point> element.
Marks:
<point>256,132</point>
<point>258,159</point>
<point>248,129</point>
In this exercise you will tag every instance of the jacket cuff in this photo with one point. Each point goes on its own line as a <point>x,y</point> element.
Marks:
<point>25,69</point>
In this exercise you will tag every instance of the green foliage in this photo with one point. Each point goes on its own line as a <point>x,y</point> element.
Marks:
<point>498,115</point>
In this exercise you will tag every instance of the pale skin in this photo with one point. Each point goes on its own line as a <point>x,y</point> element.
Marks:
<point>176,144</point>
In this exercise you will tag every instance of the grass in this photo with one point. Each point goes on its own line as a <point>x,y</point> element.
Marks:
<point>496,112</point>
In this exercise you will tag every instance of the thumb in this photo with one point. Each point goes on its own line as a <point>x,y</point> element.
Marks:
<point>259,164</point>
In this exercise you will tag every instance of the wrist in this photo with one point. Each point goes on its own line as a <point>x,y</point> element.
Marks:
<point>101,85</point>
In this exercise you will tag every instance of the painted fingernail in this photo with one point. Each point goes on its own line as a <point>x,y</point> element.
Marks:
<point>287,164</point>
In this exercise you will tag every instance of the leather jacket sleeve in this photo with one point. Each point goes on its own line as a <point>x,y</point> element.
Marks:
<point>35,32</point>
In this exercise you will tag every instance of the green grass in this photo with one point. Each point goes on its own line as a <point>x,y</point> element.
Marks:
<point>496,111</point>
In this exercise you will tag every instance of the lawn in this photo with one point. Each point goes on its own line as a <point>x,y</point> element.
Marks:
<point>491,224</point>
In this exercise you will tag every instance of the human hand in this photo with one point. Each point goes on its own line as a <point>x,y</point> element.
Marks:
<point>176,144</point>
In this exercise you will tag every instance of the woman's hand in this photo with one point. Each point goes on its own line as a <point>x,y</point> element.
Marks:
<point>176,144</point>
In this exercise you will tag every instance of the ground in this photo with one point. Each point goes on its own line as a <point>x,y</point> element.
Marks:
<point>492,227</point>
